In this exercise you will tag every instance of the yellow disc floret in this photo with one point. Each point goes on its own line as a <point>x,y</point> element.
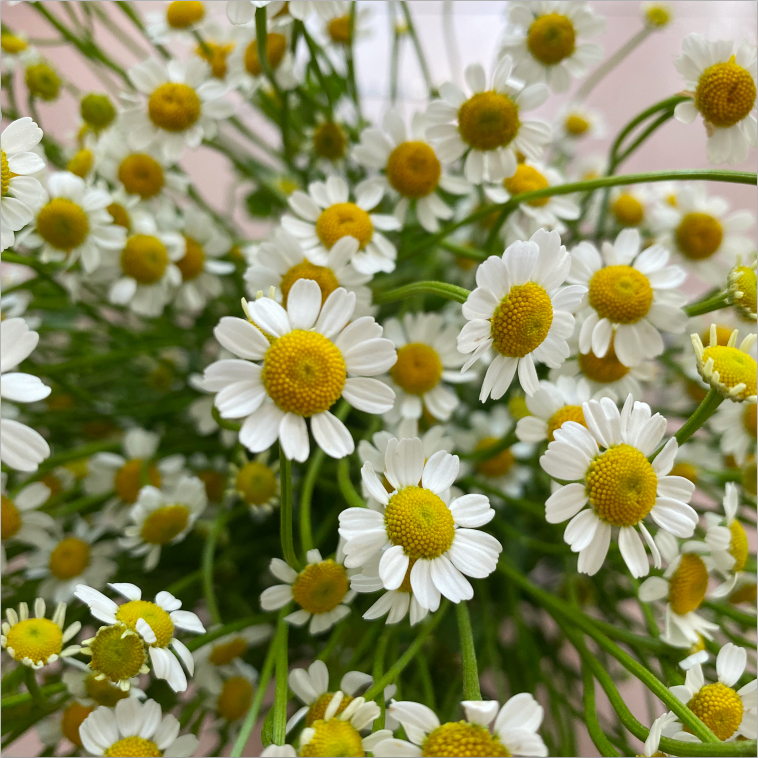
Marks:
<point>699,236</point>
<point>164,524</point>
<point>561,416</point>
<point>276,46</point>
<point>627,210</point>
<point>329,141</point>
<point>621,294</point>
<point>174,107</point>
<point>522,320</point>
<point>341,220</point>
<point>602,370</point>
<point>191,264</point>
<point>332,738</point>
<point>128,479</point>
<point>688,584</point>
<point>11,518</point>
<point>81,163</point>
<point>235,698</point>
<point>35,639</point>
<point>144,258</point>
<point>6,173</point>
<point>322,275</point>
<point>183,13</point>
<point>413,169</point>
<point>117,653</point>
<point>685,470</point>
<point>420,522</point>
<point>97,110</point>
<point>658,15</point>
<point>69,558</point>
<point>42,81</point>
<point>62,224</point>
<point>418,368</point>
<point>339,30</point>
<point>576,125</point>
<point>551,38</point>
<point>73,716</point>
<point>134,747</point>
<point>317,711</point>
<point>719,707</point>
<point>725,93</point>
<point>488,121</point>
<point>462,739</point>
<point>216,54</point>
<point>12,44</point>
<point>141,175</point>
<point>158,620</point>
<point>221,655</point>
<point>527,179</point>
<point>734,368</point>
<point>320,587</point>
<point>256,482</point>
<point>749,419</point>
<point>738,545</point>
<point>621,486</point>
<point>744,279</point>
<point>497,465</point>
<point>120,215</point>
<point>103,692</point>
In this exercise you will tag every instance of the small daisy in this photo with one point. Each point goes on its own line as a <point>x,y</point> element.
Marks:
<point>728,542</point>
<point>154,623</point>
<point>658,16</point>
<point>178,21</point>
<point>631,206</point>
<point>722,85</point>
<point>88,690</point>
<point>321,589</point>
<point>241,12</point>
<point>22,194</point>
<point>21,521</point>
<point>577,124</point>
<point>520,310</point>
<point>38,641</point>
<point>233,695</point>
<point>488,126</point>
<point>544,41</point>
<point>735,423</point>
<point>16,50</point>
<point>304,372</point>
<point>256,482</point>
<point>726,368</point>
<point>421,535</point>
<point>741,286</point>
<point>327,143</point>
<point>326,215</point>
<point>608,465</point>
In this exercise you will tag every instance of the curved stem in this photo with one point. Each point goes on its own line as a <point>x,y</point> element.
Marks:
<point>419,51</point>
<point>34,689</point>
<point>377,671</point>
<point>471,689</point>
<point>207,568</point>
<point>707,304</point>
<point>442,289</point>
<point>601,742</point>
<point>306,496</point>
<point>353,499</point>
<point>285,515</point>
<point>280,694</point>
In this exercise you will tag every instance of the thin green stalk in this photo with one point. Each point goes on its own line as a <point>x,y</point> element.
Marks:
<point>702,413</point>
<point>207,568</point>
<point>660,121</point>
<point>471,689</point>
<point>22,698</point>
<point>34,689</point>
<point>708,304</point>
<point>377,671</point>
<point>233,626</point>
<point>353,499</point>
<point>285,510</point>
<point>394,54</point>
<point>352,85</point>
<point>280,693</point>
<point>306,496</point>
<point>492,450</point>
<point>441,289</point>
<point>313,50</point>
<point>745,619</point>
<point>601,742</point>
<point>261,39</point>
<point>419,50</point>
<point>464,252</point>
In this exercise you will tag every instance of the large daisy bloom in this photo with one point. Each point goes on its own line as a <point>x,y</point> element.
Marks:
<point>722,84</point>
<point>728,542</point>
<point>132,728</point>
<point>316,357</point>
<point>179,109</point>
<point>21,447</point>
<point>422,537</point>
<point>22,194</point>
<point>21,521</point>
<point>544,41</point>
<point>488,126</point>
<point>155,624</point>
<point>513,733</point>
<point>325,214</point>
<point>520,311</point>
<point>727,368</point>
<point>632,297</point>
<point>607,465</point>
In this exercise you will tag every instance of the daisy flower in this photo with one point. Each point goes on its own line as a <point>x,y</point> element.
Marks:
<point>607,465</point>
<point>544,41</point>
<point>726,368</point>
<point>632,297</point>
<point>410,168</point>
<point>513,733</point>
<point>38,641</point>
<point>421,536</point>
<point>240,12</point>
<point>326,215</point>
<point>321,589</point>
<point>728,542</point>
<point>163,518</point>
<point>88,690</point>
<point>135,727</point>
<point>578,123</point>
<point>519,309</point>
<point>327,143</point>
<point>304,371</point>
<point>21,448</point>
<point>735,424</point>
<point>657,15</point>
<point>233,694</point>
<point>16,50</point>
<point>722,87</point>
<point>154,625</point>
<point>179,109</point>
<point>631,206</point>
<point>257,483</point>
<point>21,521</point>
<point>22,194</point>
<point>488,126</point>
<point>178,21</point>
<point>741,286</point>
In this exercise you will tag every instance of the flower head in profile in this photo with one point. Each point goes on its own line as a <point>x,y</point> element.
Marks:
<point>741,285</point>
<point>727,368</point>
<point>22,521</point>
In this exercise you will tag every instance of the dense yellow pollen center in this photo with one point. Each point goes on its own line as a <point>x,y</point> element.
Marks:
<point>561,416</point>
<point>320,587</point>
<point>11,518</point>
<point>256,482</point>
<point>144,258</point>
<point>685,470</point>
<point>688,584</point>
<point>719,707</point>
<point>522,320</point>
<point>725,94</point>
<point>81,163</point>
<point>621,486</point>
<point>738,545</point>
<point>420,522</point>
<point>221,655</point>
<point>602,370</point>
<point>191,265</point>
<point>576,125</point>
<point>657,15</point>
<point>12,44</point>
<point>527,179</point>
<point>128,479</point>
<point>621,294</point>
<point>73,715</point>
<point>342,220</point>
<point>69,558</point>
<point>97,110</point>
<point>699,236</point>
<point>133,747</point>
<point>276,46</point>
<point>333,738</point>
<point>488,121</point>
<point>749,419</point>
<point>746,284</point>
<point>6,173</point>
<point>734,367</point>
<point>216,54</point>
<point>36,639</point>
<point>413,169</point>
<point>120,215</point>
<point>141,175</point>
<point>322,275</point>
<point>329,141</point>
<point>318,708</point>
<point>339,30</point>
<point>551,38</point>
<point>42,81</point>
<point>418,368</point>
<point>117,653</point>
<point>627,210</point>
<point>235,698</point>
<point>174,107</point>
<point>164,524</point>
<point>462,739</point>
<point>62,224</point>
<point>158,620</point>
<point>723,333</point>
<point>183,13</point>
<point>103,692</point>
<point>497,465</point>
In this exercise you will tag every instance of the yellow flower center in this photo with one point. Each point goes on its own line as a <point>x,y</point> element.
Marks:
<point>339,30</point>
<point>164,524</point>
<point>462,739</point>
<point>72,718</point>
<point>103,692</point>
<point>215,484</point>
<point>128,479</point>
<point>418,368</point>
<point>120,215</point>
<point>11,518</point>
<point>621,486</point>
<point>144,258</point>
<point>746,594</point>
<point>734,367</point>
<point>749,477</point>
<point>183,13</point>
<point>35,639</point>
<point>621,294</point>
<point>749,419</point>
<point>320,587</point>
<point>657,15</point>
<point>746,284</point>
<point>216,54</point>
<point>322,275</point>
<point>133,747</point>
<point>627,210</point>
<point>81,163</point>
<point>499,464</point>
<point>174,107</point>
<point>685,470</point>
<point>117,653</point>
<point>235,698</point>
<point>551,38</point>
<point>725,93</point>
<point>413,169</point>
<point>97,110</point>
<point>276,46</point>
<point>723,333</point>
<point>341,220</point>
<point>191,265</point>
<point>561,416</point>
<point>158,620</point>
<point>141,175</point>
<point>221,655</point>
<point>522,320</point>
<point>698,236</point>
<point>719,707</point>
<point>688,584</point>
<point>420,521</point>
<point>488,121</point>
<point>62,224</point>
<point>329,141</point>
<point>6,173</point>
<point>256,482</point>
<point>576,125</point>
<point>12,44</point>
<point>42,81</point>
<point>738,546</point>
<point>602,370</point>
<point>304,373</point>
<point>53,484</point>
<point>332,738</point>
<point>318,708</point>
<point>69,558</point>
<point>527,179</point>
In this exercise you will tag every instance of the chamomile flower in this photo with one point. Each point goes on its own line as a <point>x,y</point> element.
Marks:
<point>153,623</point>
<point>607,465</point>
<point>741,285</point>
<point>520,311</point>
<point>178,21</point>
<point>728,542</point>
<point>544,41</point>
<point>240,12</point>
<point>233,694</point>
<point>735,423</point>
<point>21,521</point>
<point>16,50</point>
<point>256,482</point>
<point>631,206</point>
<point>219,42</point>
<point>727,368</point>
<point>657,16</point>
<point>488,126</point>
<point>88,690</point>
<point>576,124</point>
<point>38,641</point>
<point>722,85</point>
<point>420,535</point>
<point>321,589</point>
<point>325,215</point>
<point>304,372</point>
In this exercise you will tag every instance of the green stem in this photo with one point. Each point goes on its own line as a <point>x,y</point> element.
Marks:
<point>377,671</point>
<point>492,450</point>
<point>441,289</point>
<point>601,742</point>
<point>21,699</point>
<point>280,693</point>
<point>706,305</point>
<point>419,51</point>
<point>471,689</point>
<point>207,568</point>
<point>745,619</point>
<point>464,252</point>
<point>285,477</point>
<point>34,689</point>
<point>232,426</point>
<point>234,626</point>
<point>306,496</point>
<point>353,499</point>
<point>702,413</point>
